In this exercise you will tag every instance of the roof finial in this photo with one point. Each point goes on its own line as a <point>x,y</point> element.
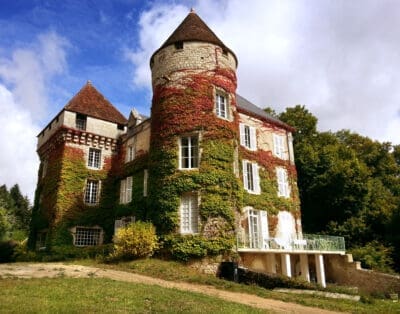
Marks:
<point>192,10</point>
<point>89,82</point>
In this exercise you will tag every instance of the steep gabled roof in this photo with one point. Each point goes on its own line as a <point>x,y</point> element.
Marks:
<point>247,107</point>
<point>193,28</point>
<point>89,101</point>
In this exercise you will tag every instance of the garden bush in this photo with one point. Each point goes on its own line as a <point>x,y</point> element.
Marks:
<point>136,240</point>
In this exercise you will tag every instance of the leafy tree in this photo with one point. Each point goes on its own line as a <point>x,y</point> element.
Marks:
<point>21,208</point>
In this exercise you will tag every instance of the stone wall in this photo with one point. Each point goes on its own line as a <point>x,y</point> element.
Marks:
<point>343,270</point>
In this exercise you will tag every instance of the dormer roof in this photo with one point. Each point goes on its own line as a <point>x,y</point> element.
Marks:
<point>89,101</point>
<point>193,28</point>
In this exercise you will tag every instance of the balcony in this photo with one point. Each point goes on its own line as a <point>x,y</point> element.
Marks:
<point>306,243</point>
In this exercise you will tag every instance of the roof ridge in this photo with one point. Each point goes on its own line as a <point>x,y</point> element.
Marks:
<point>89,101</point>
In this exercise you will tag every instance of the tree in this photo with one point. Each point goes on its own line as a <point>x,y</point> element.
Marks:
<point>22,211</point>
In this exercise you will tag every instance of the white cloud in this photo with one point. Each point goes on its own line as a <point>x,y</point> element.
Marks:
<point>339,61</point>
<point>24,87</point>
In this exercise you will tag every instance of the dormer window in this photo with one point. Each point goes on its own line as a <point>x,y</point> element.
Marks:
<point>80,121</point>
<point>179,45</point>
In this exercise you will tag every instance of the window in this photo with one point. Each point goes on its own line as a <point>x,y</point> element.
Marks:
<point>221,106</point>
<point>258,228</point>
<point>41,240</point>
<point>87,236</point>
<point>179,45</point>
<point>189,152</point>
<point>80,122</point>
<point>125,195</point>
<point>130,149</point>
<point>283,184</point>
<point>94,158</point>
<point>189,213</point>
<point>145,179</point>
<point>279,146</point>
<point>251,179</point>
<point>123,222</point>
<point>248,137</point>
<point>92,192</point>
<point>121,127</point>
<point>44,167</point>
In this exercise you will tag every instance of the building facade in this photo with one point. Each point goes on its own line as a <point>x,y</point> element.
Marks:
<point>211,170</point>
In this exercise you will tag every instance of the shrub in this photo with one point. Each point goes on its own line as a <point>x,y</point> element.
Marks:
<point>136,240</point>
<point>375,256</point>
<point>7,251</point>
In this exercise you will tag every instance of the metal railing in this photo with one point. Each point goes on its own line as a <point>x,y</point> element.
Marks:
<point>305,242</point>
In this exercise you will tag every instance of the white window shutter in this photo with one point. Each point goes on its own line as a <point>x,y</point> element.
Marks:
<point>245,182</point>
<point>122,192</point>
<point>287,190</point>
<point>256,178</point>
<point>128,189</point>
<point>242,134</point>
<point>276,149</point>
<point>264,228</point>
<point>253,138</point>
<point>145,180</point>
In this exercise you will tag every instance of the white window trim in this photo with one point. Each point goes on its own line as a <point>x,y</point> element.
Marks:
<point>91,192</point>
<point>125,194</point>
<point>91,161</point>
<point>145,181</point>
<point>255,177</point>
<point>283,182</point>
<point>189,150</point>
<point>251,142</point>
<point>217,105</point>
<point>130,150</point>
<point>192,215</point>
<point>279,146</point>
<point>94,242</point>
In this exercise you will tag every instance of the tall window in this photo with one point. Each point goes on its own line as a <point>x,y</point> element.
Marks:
<point>221,106</point>
<point>279,146</point>
<point>283,184</point>
<point>130,150</point>
<point>94,158</point>
<point>80,121</point>
<point>87,236</point>
<point>258,228</point>
<point>248,137</point>
<point>251,179</point>
<point>92,192</point>
<point>125,195</point>
<point>189,213</point>
<point>189,152</point>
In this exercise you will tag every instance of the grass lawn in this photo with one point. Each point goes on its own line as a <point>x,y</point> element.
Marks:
<point>99,295</point>
<point>176,271</point>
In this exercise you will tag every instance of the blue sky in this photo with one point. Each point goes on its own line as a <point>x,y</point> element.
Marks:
<point>339,58</point>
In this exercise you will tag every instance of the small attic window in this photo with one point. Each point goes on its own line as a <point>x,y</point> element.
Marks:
<point>120,127</point>
<point>225,52</point>
<point>80,121</point>
<point>179,45</point>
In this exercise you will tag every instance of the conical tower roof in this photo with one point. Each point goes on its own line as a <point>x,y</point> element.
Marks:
<point>89,101</point>
<point>193,28</point>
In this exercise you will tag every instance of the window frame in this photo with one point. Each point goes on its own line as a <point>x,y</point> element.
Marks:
<point>125,194</point>
<point>89,199</point>
<point>191,226</point>
<point>94,161</point>
<point>279,146</point>
<point>248,136</point>
<point>282,182</point>
<point>191,158</point>
<point>217,106</point>
<point>81,122</point>
<point>251,177</point>
<point>94,240</point>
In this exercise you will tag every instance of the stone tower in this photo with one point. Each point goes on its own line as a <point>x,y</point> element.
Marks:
<point>75,191</point>
<point>193,136</point>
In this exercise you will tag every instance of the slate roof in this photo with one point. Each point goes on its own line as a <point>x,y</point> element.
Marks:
<point>193,28</point>
<point>89,101</point>
<point>246,106</point>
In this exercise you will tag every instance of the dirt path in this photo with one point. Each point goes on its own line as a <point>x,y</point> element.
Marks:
<point>52,270</point>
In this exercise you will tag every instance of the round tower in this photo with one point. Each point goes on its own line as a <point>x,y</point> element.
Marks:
<point>193,168</point>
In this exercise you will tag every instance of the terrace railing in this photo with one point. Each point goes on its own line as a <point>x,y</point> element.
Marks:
<point>306,242</point>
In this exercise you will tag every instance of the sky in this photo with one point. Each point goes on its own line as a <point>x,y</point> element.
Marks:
<point>341,59</point>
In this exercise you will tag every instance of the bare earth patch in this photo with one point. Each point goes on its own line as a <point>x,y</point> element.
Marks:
<point>53,270</point>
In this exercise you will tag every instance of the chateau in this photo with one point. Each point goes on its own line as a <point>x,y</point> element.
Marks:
<point>213,172</point>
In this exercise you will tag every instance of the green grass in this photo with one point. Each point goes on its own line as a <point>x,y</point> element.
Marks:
<point>176,271</point>
<point>99,295</point>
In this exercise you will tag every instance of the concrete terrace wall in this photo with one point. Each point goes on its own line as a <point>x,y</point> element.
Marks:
<point>342,270</point>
